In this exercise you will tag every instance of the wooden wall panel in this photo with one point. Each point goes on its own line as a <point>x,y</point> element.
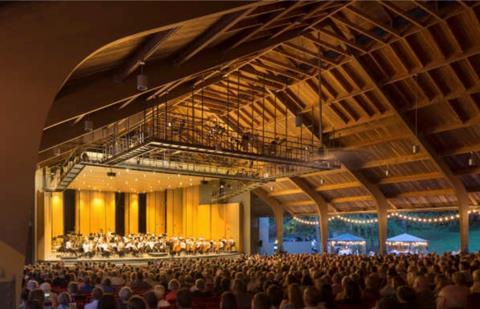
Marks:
<point>131,213</point>
<point>95,212</point>
<point>156,212</point>
<point>109,211</point>
<point>57,213</point>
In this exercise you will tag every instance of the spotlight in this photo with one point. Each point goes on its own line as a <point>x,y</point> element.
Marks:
<point>387,172</point>
<point>322,181</point>
<point>142,79</point>
<point>415,149</point>
<point>471,160</point>
<point>298,120</point>
<point>88,126</point>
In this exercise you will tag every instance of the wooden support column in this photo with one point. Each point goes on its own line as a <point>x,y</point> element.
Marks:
<point>382,229</point>
<point>278,211</point>
<point>322,209</point>
<point>278,214</point>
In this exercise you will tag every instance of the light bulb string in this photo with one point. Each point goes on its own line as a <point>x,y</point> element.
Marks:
<point>439,219</point>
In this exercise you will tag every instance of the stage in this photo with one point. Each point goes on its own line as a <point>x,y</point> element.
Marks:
<point>138,259</point>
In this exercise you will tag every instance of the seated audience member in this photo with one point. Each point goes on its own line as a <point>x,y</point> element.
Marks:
<point>476,282</point>
<point>139,282</point>
<point>325,296</point>
<point>151,299</point>
<point>159,291</point>
<point>86,287</point>
<point>73,291</point>
<point>406,297</point>
<point>173,286</point>
<point>199,290</point>
<point>107,302</point>
<point>123,296</point>
<point>371,293</point>
<point>311,298</point>
<point>350,297</point>
<point>64,301</point>
<point>97,294</point>
<point>275,294</point>
<point>388,302</point>
<point>228,301</point>
<point>38,296</point>
<point>50,297</point>
<point>107,286</point>
<point>243,299</point>
<point>31,304</point>
<point>184,299</point>
<point>294,298</point>
<point>137,302</point>
<point>424,295</point>
<point>454,295</point>
<point>261,301</point>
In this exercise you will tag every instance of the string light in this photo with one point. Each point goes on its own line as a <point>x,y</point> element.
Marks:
<point>354,221</point>
<point>439,219</point>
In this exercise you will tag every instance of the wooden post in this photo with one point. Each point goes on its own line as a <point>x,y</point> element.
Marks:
<point>323,222</point>
<point>278,214</point>
<point>382,229</point>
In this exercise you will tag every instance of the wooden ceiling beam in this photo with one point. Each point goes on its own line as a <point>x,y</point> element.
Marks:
<point>147,49</point>
<point>271,19</point>
<point>102,92</point>
<point>423,193</point>
<point>274,204</point>
<point>315,196</point>
<point>338,186</point>
<point>224,24</point>
<point>410,178</point>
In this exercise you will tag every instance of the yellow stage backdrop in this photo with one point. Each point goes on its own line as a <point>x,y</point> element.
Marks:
<point>156,212</point>
<point>175,212</point>
<point>95,212</point>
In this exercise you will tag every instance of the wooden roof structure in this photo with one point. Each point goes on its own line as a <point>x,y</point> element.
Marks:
<point>394,74</point>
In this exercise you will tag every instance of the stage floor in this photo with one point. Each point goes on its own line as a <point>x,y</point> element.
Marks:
<point>140,259</point>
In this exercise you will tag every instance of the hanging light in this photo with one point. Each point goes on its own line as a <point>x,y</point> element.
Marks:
<point>298,120</point>
<point>88,126</point>
<point>415,149</point>
<point>142,79</point>
<point>471,160</point>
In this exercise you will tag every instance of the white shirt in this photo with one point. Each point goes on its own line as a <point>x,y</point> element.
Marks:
<point>92,305</point>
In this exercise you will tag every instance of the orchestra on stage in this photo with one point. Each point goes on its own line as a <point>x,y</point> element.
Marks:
<point>111,244</point>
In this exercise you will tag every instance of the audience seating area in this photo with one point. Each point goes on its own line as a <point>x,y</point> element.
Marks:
<point>261,282</point>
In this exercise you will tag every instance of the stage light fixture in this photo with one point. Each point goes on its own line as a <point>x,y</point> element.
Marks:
<point>298,120</point>
<point>415,149</point>
<point>471,160</point>
<point>88,126</point>
<point>142,79</point>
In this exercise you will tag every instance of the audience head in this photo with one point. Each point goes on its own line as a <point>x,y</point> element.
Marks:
<point>137,302</point>
<point>228,301</point>
<point>97,293</point>
<point>151,299</point>
<point>125,293</point>
<point>184,299</point>
<point>261,301</point>
<point>107,302</point>
<point>64,298</point>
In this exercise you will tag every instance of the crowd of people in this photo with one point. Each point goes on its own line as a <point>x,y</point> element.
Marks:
<point>108,244</point>
<point>260,282</point>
